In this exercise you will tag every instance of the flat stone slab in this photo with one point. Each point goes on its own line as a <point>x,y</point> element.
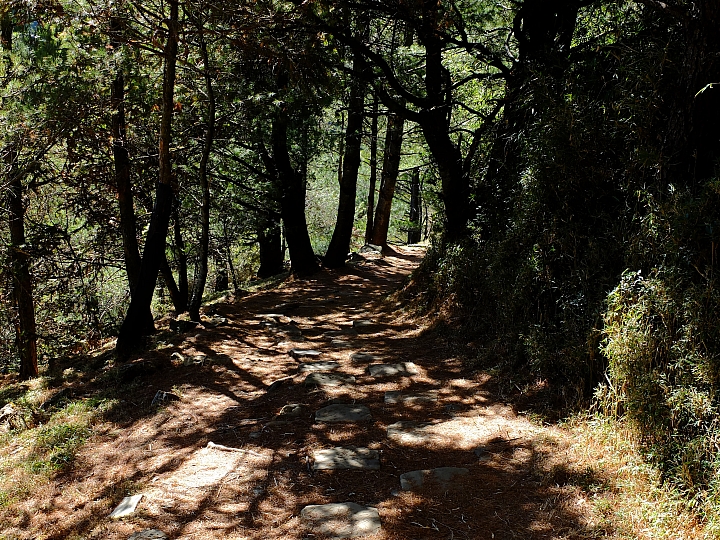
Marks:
<point>341,520</point>
<point>349,457</point>
<point>326,365</point>
<point>149,534</point>
<point>343,413</point>
<point>363,324</point>
<point>126,507</point>
<point>403,369</point>
<point>328,379</point>
<point>410,432</point>
<point>362,358</point>
<point>341,344</point>
<point>348,332</point>
<point>304,353</point>
<point>442,475</point>
<point>394,396</point>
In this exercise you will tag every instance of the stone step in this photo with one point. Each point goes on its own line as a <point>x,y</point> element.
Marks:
<point>362,358</point>
<point>326,365</point>
<point>304,353</point>
<point>343,413</point>
<point>443,475</point>
<point>341,520</point>
<point>403,369</point>
<point>350,457</point>
<point>321,378</point>
<point>395,396</point>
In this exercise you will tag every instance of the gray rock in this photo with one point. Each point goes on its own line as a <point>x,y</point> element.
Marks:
<point>318,366</point>
<point>404,369</point>
<point>341,344</point>
<point>149,534</point>
<point>346,458</point>
<point>394,396</point>
<point>339,412</point>
<point>443,475</point>
<point>410,432</point>
<point>348,332</point>
<point>304,353</point>
<point>328,379</point>
<point>292,410</point>
<point>371,248</point>
<point>362,358</point>
<point>362,323</point>
<point>164,397</point>
<point>341,520</point>
<point>126,507</point>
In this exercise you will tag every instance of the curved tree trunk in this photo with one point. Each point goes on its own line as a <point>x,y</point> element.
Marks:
<point>292,201</point>
<point>201,267</point>
<point>388,178</point>
<point>373,172</point>
<point>342,235</point>
<point>133,329</point>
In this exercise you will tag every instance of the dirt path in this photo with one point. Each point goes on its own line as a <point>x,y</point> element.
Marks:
<point>234,380</point>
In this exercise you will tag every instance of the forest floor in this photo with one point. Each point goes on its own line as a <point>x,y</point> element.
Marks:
<point>229,383</point>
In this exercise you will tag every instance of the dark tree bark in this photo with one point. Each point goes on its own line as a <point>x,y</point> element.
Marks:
<point>176,296</point>
<point>201,266</point>
<point>180,261</point>
<point>342,235</point>
<point>22,283</point>
<point>133,329</point>
<point>271,250</point>
<point>121,157</point>
<point>415,208</point>
<point>292,201</point>
<point>373,172</point>
<point>388,178</point>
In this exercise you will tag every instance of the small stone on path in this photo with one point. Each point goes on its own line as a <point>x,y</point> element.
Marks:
<point>318,366</point>
<point>343,413</point>
<point>395,396</point>
<point>149,534</point>
<point>126,507</point>
<point>362,358</point>
<point>346,458</point>
<point>328,379</point>
<point>341,520</point>
<point>291,410</point>
<point>304,353</point>
<point>341,343</point>
<point>404,369</point>
<point>443,475</point>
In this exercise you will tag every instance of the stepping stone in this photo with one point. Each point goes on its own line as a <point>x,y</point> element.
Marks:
<point>363,324</point>
<point>404,369</point>
<point>149,534</point>
<point>362,358</point>
<point>348,332</point>
<point>410,432</point>
<point>328,379</point>
<point>126,507</point>
<point>326,365</point>
<point>443,475</point>
<point>341,343</point>
<point>341,520</point>
<point>304,353</point>
<point>346,458</point>
<point>269,315</point>
<point>343,413</point>
<point>395,396</point>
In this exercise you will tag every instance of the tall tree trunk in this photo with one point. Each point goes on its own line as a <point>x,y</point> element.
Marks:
<point>271,250</point>
<point>133,329</point>
<point>415,208</point>
<point>292,201</point>
<point>181,261</point>
<point>201,267</point>
<point>388,178</point>
<point>121,157</point>
<point>342,235</point>
<point>176,296</point>
<point>373,172</point>
<point>22,285</point>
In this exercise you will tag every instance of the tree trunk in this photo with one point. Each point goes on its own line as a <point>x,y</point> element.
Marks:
<point>133,329</point>
<point>271,250</point>
<point>173,290</point>
<point>22,285</point>
<point>181,261</point>
<point>415,208</point>
<point>342,235</point>
<point>201,267</point>
<point>373,172</point>
<point>292,201</point>
<point>388,178</point>
<point>121,157</point>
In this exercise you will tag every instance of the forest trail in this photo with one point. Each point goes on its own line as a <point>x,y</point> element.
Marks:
<point>242,452</point>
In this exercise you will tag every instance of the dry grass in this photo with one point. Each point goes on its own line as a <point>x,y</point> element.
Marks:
<point>529,481</point>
